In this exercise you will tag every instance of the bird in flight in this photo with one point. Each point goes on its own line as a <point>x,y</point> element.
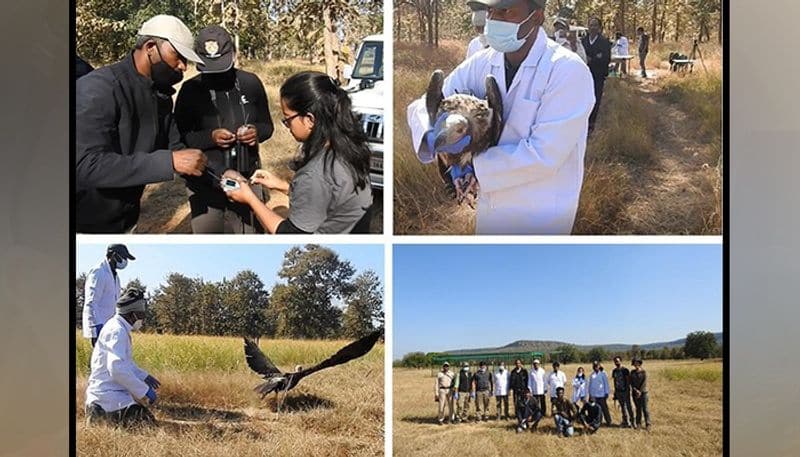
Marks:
<point>277,381</point>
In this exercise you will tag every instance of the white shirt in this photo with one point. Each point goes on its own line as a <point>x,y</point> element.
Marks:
<point>536,381</point>
<point>474,46</point>
<point>598,384</point>
<point>501,379</point>
<point>578,389</point>
<point>561,38</point>
<point>101,293</point>
<point>621,47</point>
<point>115,381</point>
<point>530,182</point>
<point>556,380</point>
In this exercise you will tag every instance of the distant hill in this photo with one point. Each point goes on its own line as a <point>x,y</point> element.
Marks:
<point>549,346</point>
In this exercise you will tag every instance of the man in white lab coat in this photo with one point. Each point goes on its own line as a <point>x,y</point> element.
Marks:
<point>101,290</point>
<point>597,387</point>
<point>501,381</point>
<point>556,379</point>
<point>531,181</point>
<point>538,385</point>
<point>118,391</point>
<point>479,42</point>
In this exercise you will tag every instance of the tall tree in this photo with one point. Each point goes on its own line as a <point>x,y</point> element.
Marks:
<point>174,306</point>
<point>364,310</point>
<point>701,345</point>
<point>80,284</point>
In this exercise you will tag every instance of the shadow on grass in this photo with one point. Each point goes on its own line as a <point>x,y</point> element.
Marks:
<point>299,403</point>
<point>192,412</point>
<point>214,431</point>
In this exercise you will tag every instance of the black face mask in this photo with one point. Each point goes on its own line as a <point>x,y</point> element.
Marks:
<point>163,76</point>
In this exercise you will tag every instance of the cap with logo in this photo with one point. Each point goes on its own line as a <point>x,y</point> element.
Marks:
<point>121,250</point>
<point>215,46</point>
<point>172,29</point>
<point>483,4</point>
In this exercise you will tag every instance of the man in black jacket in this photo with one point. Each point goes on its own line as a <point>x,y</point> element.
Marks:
<point>124,133</point>
<point>622,391</point>
<point>644,48</point>
<point>598,55</point>
<point>518,382</point>
<point>223,111</point>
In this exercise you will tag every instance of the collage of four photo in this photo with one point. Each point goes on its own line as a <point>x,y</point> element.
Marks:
<point>499,227</point>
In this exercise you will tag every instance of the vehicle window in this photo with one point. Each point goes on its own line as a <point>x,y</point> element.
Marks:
<point>370,62</point>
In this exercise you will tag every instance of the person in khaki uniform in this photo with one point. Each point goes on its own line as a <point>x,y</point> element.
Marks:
<point>484,389</point>
<point>463,392</point>
<point>443,392</point>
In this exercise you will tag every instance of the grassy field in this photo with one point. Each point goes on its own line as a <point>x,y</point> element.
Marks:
<point>165,207</point>
<point>207,407</point>
<point>685,407</point>
<point>653,164</point>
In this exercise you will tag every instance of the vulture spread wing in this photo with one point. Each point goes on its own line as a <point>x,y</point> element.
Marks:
<point>434,95</point>
<point>352,351</point>
<point>257,361</point>
<point>495,99</point>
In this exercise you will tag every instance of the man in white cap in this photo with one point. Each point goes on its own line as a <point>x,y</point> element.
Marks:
<point>479,42</point>
<point>125,137</point>
<point>537,383</point>
<point>118,391</point>
<point>101,290</point>
<point>531,180</point>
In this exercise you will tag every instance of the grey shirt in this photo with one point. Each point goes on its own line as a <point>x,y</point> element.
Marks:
<point>324,199</point>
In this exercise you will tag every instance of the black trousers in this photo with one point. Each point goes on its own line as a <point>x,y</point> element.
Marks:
<point>131,416</point>
<point>599,85</point>
<point>212,212</point>
<point>603,402</point>
<point>542,403</point>
<point>624,399</point>
<point>642,59</point>
<point>642,409</point>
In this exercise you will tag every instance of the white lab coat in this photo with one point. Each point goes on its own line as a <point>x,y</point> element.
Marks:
<point>536,381</point>
<point>115,381</point>
<point>531,181</point>
<point>598,384</point>
<point>554,381</point>
<point>561,39</point>
<point>474,46</point>
<point>101,293</point>
<point>621,47</point>
<point>578,389</point>
<point>501,382</point>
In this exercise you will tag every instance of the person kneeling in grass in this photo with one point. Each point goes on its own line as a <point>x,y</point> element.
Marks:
<point>528,412</point>
<point>563,413</point>
<point>118,391</point>
<point>591,415</point>
<point>330,191</point>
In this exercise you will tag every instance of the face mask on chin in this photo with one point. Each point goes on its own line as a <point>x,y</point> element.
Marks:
<point>137,325</point>
<point>502,35</point>
<point>163,76</point>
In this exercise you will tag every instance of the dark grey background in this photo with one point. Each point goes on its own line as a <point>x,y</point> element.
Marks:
<point>34,238</point>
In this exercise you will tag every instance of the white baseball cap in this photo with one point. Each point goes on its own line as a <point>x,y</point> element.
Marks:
<point>172,29</point>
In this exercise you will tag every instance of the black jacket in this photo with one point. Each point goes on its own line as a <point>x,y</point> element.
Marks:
<point>518,381</point>
<point>598,55</point>
<point>197,115</point>
<point>124,137</point>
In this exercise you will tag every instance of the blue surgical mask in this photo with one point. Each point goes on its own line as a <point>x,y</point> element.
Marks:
<point>502,35</point>
<point>122,264</point>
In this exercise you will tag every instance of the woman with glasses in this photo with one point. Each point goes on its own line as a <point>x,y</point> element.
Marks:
<point>330,191</point>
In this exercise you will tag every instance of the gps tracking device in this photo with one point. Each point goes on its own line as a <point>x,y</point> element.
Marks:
<point>229,184</point>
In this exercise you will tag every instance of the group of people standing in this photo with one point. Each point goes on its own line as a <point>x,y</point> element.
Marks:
<point>530,388</point>
<point>128,135</point>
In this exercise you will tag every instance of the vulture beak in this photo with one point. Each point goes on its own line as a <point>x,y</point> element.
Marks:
<point>452,130</point>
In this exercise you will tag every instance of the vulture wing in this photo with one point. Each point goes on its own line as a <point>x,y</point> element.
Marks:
<point>434,95</point>
<point>495,100</point>
<point>257,361</point>
<point>352,351</point>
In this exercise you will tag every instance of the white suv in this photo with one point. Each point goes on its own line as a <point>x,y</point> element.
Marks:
<point>366,92</point>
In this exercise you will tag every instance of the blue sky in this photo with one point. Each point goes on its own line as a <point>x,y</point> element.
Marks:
<point>458,297</point>
<point>212,262</point>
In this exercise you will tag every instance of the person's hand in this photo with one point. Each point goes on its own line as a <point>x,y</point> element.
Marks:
<point>244,194</point>
<point>151,395</point>
<point>189,162</point>
<point>472,395</point>
<point>152,382</point>
<point>436,399</point>
<point>455,395</point>
<point>455,148</point>
<point>223,138</point>
<point>267,179</point>
<point>247,134</point>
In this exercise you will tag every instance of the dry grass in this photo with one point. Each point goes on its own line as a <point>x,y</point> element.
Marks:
<point>686,414</point>
<point>653,164</point>
<point>165,206</point>
<point>207,407</point>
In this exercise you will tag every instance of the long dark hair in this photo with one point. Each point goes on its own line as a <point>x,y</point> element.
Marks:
<point>337,131</point>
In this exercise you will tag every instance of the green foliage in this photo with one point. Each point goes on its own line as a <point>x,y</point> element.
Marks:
<point>568,353</point>
<point>597,353</point>
<point>416,360</point>
<point>701,345</point>
<point>364,312</point>
<point>80,284</point>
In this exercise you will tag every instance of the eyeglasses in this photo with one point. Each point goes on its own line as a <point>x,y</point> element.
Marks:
<point>286,120</point>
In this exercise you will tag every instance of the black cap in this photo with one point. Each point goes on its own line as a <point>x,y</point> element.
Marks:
<point>484,4</point>
<point>120,249</point>
<point>215,46</point>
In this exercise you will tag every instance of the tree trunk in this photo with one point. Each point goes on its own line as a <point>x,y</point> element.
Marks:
<point>719,27</point>
<point>430,23</point>
<point>436,23</point>
<point>653,35</point>
<point>677,22</point>
<point>663,24</point>
<point>327,40</point>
